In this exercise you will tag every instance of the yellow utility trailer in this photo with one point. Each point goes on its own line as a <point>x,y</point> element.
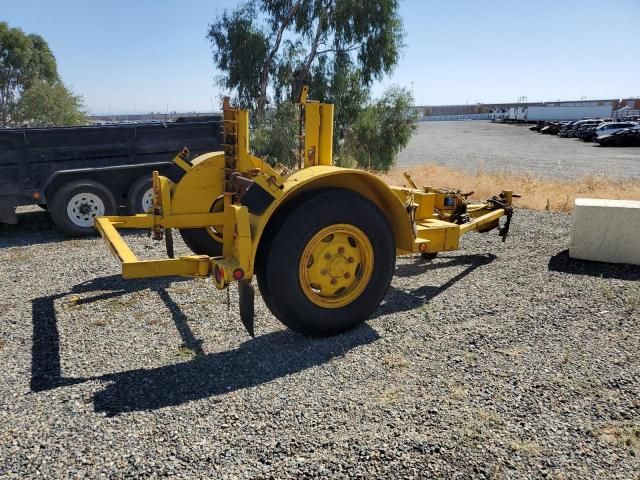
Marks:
<point>321,241</point>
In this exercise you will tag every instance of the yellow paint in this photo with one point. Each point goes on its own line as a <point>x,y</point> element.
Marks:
<point>420,219</point>
<point>366,184</point>
<point>237,241</point>
<point>191,266</point>
<point>336,266</point>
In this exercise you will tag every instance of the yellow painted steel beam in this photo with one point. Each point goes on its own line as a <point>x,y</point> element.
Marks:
<point>114,241</point>
<point>192,220</point>
<point>192,266</point>
<point>238,244</point>
<point>325,156</point>
<point>478,221</point>
<point>186,220</point>
<point>311,134</point>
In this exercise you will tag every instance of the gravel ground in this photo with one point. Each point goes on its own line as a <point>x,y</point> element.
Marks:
<point>472,145</point>
<point>501,360</point>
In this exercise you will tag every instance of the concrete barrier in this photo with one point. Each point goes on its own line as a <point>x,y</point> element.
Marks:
<point>606,231</point>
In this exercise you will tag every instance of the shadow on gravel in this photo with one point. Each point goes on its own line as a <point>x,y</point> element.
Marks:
<point>561,262</point>
<point>256,361</point>
<point>398,300</point>
<point>45,350</point>
<point>421,266</point>
<point>32,228</point>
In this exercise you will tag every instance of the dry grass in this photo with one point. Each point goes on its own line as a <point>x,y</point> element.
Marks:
<point>395,361</point>
<point>623,435</point>
<point>390,396</point>
<point>524,447</point>
<point>537,193</point>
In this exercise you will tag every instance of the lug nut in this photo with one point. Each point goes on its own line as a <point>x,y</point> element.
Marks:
<point>333,281</point>
<point>341,250</point>
<point>323,271</point>
<point>347,275</point>
<point>327,256</point>
<point>350,260</point>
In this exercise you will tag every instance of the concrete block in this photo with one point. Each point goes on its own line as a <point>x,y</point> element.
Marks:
<point>606,231</point>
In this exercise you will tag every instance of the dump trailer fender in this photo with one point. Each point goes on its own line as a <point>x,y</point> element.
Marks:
<point>321,177</point>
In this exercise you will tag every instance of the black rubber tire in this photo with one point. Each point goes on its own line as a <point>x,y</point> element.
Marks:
<point>200,242</point>
<point>64,194</point>
<point>136,193</point>
<point>266,241</point>
<point>429,255</point>
<point>279,281</point>
<point>198,239</point>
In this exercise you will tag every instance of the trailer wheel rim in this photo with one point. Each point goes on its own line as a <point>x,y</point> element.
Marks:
<point>147,200</point>
<point>336,266</point>
<point>215,231</point>
<point>83,208</point>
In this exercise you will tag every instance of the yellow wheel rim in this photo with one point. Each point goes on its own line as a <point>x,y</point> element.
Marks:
<point>336,266</point>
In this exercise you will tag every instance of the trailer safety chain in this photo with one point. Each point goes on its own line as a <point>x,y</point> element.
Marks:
<point>508,209</point>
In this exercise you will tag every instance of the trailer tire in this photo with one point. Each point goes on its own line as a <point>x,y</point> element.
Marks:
<point>140,195</point>
<point>76,204</point>
<point>428,255</point>
<point>205,241</point>
<point>329,264</point>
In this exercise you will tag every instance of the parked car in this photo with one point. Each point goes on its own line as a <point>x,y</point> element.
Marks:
<point>537,127</point>
<point>588,133</point>
<point>570,131</point>
<point>613,127</point>
<point>627,137</point>
<point>552,128</point>
<point>562,132</point>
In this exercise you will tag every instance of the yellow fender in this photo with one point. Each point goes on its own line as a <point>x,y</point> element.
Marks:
<point>199,187</point>
<point>359,181</point>
<point>202,185</point>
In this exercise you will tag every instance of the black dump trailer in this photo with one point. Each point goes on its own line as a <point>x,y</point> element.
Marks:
<point>78,173</point>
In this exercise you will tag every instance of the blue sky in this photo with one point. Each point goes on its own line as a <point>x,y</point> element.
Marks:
<point>150,55</point>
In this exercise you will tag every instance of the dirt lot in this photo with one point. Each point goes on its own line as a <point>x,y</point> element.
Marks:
<point>496,147</point>
<point>501,360</point>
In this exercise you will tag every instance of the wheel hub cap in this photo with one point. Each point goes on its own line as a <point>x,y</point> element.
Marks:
<point>83,208</point>
<point>336,266</point>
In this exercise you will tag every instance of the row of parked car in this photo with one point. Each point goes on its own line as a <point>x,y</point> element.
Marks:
<point>606,133</point>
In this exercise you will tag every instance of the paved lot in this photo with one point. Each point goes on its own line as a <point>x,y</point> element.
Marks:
<point>501,360</point>
<point>473,145</point>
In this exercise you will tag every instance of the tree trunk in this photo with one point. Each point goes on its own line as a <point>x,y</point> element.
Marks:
<point>264,75</point>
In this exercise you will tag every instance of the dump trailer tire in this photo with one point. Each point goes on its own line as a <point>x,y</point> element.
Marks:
<point>329,264</point>
<point>140,195</point>
<point>76,204</point>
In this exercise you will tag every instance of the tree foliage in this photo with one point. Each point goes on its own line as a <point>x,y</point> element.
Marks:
<point>275,134</point>
<point>381,130</point>
<point>267,49</point>
<point>26,62</point>
<point>44,105</point>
